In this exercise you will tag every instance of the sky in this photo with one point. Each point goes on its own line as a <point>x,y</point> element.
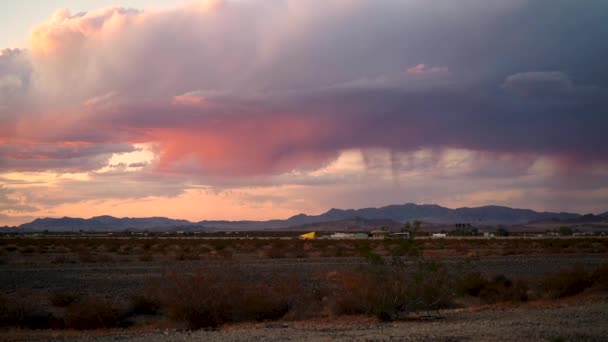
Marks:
<point>265,109</point>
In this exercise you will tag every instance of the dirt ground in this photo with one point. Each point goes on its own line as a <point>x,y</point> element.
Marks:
<point>581,320</point>
<point>572,323</point>
<point>120,280</point>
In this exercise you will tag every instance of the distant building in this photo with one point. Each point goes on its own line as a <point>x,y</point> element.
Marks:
<point>403,235</point>
<point>342,236</point>
<point>379,234</point>
<point>361,236</point>
<point>439,235</point>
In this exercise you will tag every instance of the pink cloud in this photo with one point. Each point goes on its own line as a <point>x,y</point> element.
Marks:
<point>255,145</point>
<point>423,69</point>
<point>118,76</point>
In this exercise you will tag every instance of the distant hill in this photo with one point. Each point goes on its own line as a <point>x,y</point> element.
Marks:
<point>334,219</point>
<point>354,224</point>
<point>103,224</point>
<point>432,213</point>
<point>588,218</point>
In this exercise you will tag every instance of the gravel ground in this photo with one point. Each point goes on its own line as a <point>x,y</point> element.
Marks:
<point>583,322</point>
<point>121,280</point>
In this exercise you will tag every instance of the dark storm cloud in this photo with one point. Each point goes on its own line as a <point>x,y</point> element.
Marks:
<point>65,157</point>
<point>264,88</point>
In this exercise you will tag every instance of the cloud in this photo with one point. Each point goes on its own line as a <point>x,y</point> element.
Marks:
<point>422,69</point>
<point>66,156</point>
<point>230,93</point>
<point>538,83</point>
<point>229,108</point>
<point>12,203</point>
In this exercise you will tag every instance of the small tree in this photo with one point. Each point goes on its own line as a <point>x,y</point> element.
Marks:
<point>502,232</point>
<point>415,229</point>
<point>565,231</point>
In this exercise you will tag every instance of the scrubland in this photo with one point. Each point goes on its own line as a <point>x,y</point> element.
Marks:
<point>56,287</point>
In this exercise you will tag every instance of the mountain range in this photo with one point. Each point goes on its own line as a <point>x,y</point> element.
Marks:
<point>390,216</point>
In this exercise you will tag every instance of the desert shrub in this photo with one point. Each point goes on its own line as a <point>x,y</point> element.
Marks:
<point>492,290</point>
<point>28,250</point>
<point>600,275</point>
<point>88,257</point>
<point>275,252</point>
<point>204,249</point>
<point>471,284</point>
<point>146,304</point>
<point>60,259</point>
<point>219,244</point>
<point>125,249</point>
<point>389,291</point>
<point>300,253</point>
<point>431,287</point>
<point>567,283</point>
<point>362,247</point>
<point>186,256</point>
<point>374,258</point>
<point>214,298</point>
<point>112,247</point>
<point>501,289</point>
<point>558,339</point>
<point>353,292</point>
<point>104,258</point>
<point>260,304</point>
<point>405,247</point>
<point>63,299</point>
<point>92,313</point>
<point>18,312</point>
<point>147,257</point>
<point>147,245</point>
<point>62,249</point>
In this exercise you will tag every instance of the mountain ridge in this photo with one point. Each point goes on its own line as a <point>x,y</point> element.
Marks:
<point>399,213</point>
